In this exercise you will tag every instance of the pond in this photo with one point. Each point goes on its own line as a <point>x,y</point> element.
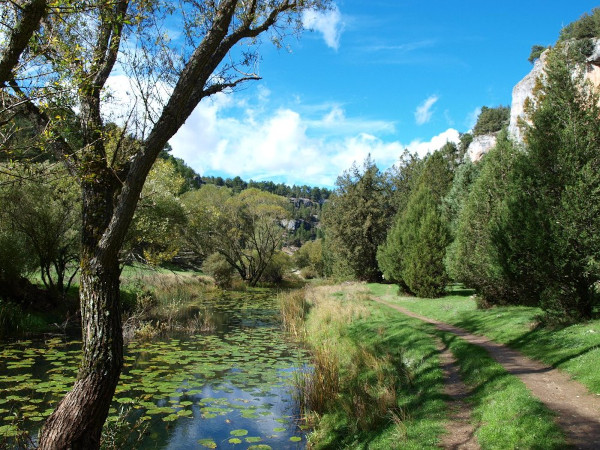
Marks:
<point>230,388</point>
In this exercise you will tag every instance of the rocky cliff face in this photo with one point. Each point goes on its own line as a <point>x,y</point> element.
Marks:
<point>524,88</point>
<point>481,145</point>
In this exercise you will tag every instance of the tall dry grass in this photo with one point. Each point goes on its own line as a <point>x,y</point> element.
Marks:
<point>362,382</point>
<point>166,302</point>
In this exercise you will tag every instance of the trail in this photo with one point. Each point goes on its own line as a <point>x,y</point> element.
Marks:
<point>460,431</point>
<point>578,411</point>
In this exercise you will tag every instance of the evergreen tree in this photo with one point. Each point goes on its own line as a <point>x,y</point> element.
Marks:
<point>479,255</point>
<point>413,253</point>
<point>457,196</point>
<point>491,120</point>
<point>425,237</point>
<point>555,213</point>
<point>356,220</point>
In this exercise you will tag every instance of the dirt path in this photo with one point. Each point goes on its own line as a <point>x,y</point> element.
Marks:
<point>461,434</point>
<point>578,411</point>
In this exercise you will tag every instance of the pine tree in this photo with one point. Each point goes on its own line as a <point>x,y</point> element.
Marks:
<point>356,220</point>
<point>413,253</point>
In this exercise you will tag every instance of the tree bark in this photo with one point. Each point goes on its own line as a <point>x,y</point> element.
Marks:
<point>77,421</point>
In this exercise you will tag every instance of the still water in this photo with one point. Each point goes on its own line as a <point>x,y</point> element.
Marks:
<point>228,388</point>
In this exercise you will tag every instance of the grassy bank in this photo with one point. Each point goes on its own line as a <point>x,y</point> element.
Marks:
<point>377,381</point>
<point>368,354</point>
<point>575,349</point>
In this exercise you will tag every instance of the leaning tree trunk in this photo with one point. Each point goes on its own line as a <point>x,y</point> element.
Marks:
<point>77,421</point>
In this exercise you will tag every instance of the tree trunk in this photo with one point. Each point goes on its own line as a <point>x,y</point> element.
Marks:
<point>77,421</point>
<point>585,303</point>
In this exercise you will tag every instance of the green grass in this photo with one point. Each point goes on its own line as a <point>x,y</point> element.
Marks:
<point>574,349</point>
<point>372,346</point>
<point>342,320</point>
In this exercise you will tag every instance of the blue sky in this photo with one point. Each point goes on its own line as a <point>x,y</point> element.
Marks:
<point>373,77</point>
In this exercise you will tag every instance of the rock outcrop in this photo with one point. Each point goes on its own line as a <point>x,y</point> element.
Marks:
<point>481,145</point>
<point>524,89</point>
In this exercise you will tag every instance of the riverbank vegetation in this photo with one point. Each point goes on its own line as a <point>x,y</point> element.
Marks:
<point>376,380</point>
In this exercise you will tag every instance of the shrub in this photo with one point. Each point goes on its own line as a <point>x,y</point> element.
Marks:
<point>219,268</point>
<point>536,52</point>
<point>491,120</point>
<point>308,273</point>
<point>276,268</point>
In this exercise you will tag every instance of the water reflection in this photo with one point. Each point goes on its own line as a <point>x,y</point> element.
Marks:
<point>230,387</point>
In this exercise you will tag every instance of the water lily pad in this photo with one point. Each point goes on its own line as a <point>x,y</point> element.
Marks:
<point>253,439</point>
<point>208,443</point>
<point>235,441</point>
<point>295,439</point>
<point>170,418</point>
<point>9,430</point>
<point>278,429</point>
<point>240,432</point>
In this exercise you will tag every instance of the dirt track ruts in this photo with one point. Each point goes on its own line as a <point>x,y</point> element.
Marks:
<point>578,411</point>
<point>461,433</point>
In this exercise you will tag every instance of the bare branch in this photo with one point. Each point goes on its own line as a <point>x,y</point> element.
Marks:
<point>33,12</point>
<point>220,87</point>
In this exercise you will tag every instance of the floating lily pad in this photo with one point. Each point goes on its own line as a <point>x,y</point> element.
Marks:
<point>240,432</point>
<point>9,430</point>
<point>208,443</point>
<point>235,441</point>
<point>170,418</point>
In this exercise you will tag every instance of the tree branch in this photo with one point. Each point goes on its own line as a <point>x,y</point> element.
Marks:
<point>33,13</point>
<point>61,149</point>
<point>109,41</point>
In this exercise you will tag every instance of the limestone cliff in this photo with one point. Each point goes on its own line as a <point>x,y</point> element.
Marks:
<point>524,88</point>
<point>481,145</point>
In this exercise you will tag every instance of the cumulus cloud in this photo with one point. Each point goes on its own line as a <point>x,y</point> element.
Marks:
<point>422,148</point>
<point>286,145</point>
<point>328,23</point>
<point>423,113</point>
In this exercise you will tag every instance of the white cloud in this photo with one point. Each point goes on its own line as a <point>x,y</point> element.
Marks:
<point>328,23</point>
<point>286,145</point>
<point>435,143</point>
<point>423,112</point>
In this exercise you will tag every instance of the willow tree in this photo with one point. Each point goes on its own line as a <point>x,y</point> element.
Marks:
<point>59,81</point>
<point>245,229</point>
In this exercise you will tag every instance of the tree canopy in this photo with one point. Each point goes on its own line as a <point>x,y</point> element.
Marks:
<point>356,219</point>
<point>491,120</point>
